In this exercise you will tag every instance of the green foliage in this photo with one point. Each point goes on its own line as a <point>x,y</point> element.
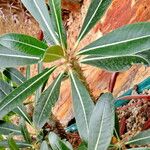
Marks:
<point>142,138</point>
<point>8,128</point>
<point>101,124</point>
<point>46,102</point>
<point>96,10</point>
<point>56,143</point>
<point>14,75</point>
<point>83,106</point>
<point>39,11</point>
<point>53,53</point>
<point>116,51</point>
<point>16,97</point>
<point>23,43</point>
<point>20,144</point>
<point>115,63</point>
<point>25,133</point>
<point>6,89</point>
<point>44,146</point>
<point>12,144</point>
<point>55,7</point>
<point>12,58</point>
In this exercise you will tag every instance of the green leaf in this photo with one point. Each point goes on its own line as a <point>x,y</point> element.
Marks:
<point>82,146</point>
<point>44,146</point>
<point>8,128</point>
<point>95,12</point>
<point>21,111</point>
<point>38,10</point>
<point>121,48</point>
<point>115,63</point>
<point>128,40</point>
<point>53,53</point>
<point>56,143</point>
<point>102,123</point>
<point>116,127</point>
<point>55,7</point>
<point>12,58</point>
<point>25,132</point>
<point>20,144</point>
<point>82,104</point>
<point>12,144</point>
<point>142,138</point>
<point>16,97</point>
<point>24,43</point>
<point>46,102</point>
<point>6,89</point>
<point>14,75</point>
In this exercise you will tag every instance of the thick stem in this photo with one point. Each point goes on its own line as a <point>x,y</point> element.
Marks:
<point>113,81</point>
<point>77,68</point>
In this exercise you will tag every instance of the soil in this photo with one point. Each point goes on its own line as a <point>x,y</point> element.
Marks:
<point>135,116</point>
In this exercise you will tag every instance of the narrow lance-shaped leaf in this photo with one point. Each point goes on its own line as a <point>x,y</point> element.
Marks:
<point>12,144</point>
<point>14,75</point>
<point>46,102</point>
<point>16,97</point>
<point>56,143</point>
<point>82,104</point>
<point>21,111</point>
<point>55,7</point>
<point>53,53</point>
<point>12,58</point>
<point>127,40</point>
<point>25,132</point>
<point>24,43</point>
<point>102,123</point>
<point>9,128</point>
<point>82,146</point>
<point>142,138</point>
<point>20,144</point>
<point>96,10</point>
<point>115,63</point>
<point>115,52</point>
<point>39,11</point>
<point>6,89</point>
<point>44,146</point>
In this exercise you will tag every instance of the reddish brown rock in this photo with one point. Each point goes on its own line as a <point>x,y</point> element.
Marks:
<point>120,13</point>
<point>124,12</point>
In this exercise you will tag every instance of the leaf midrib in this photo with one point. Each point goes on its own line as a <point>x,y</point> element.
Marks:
<point>3,91</point>
<point>49,97</point>
<point>20,42</point>
<point>139,139</point>
<point>80,98</point>
<point>103,58</point>
<point>111,44</point>
<point>10,129</point>
<point>90,21</point>
<point>24,114</point>
<point>25,89</point>
<point>17,106</point>
<point>57,21</point>
<point>101,126</point>
<point>19,56</point>
<point>53,36</point>
<point>14,75</point>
